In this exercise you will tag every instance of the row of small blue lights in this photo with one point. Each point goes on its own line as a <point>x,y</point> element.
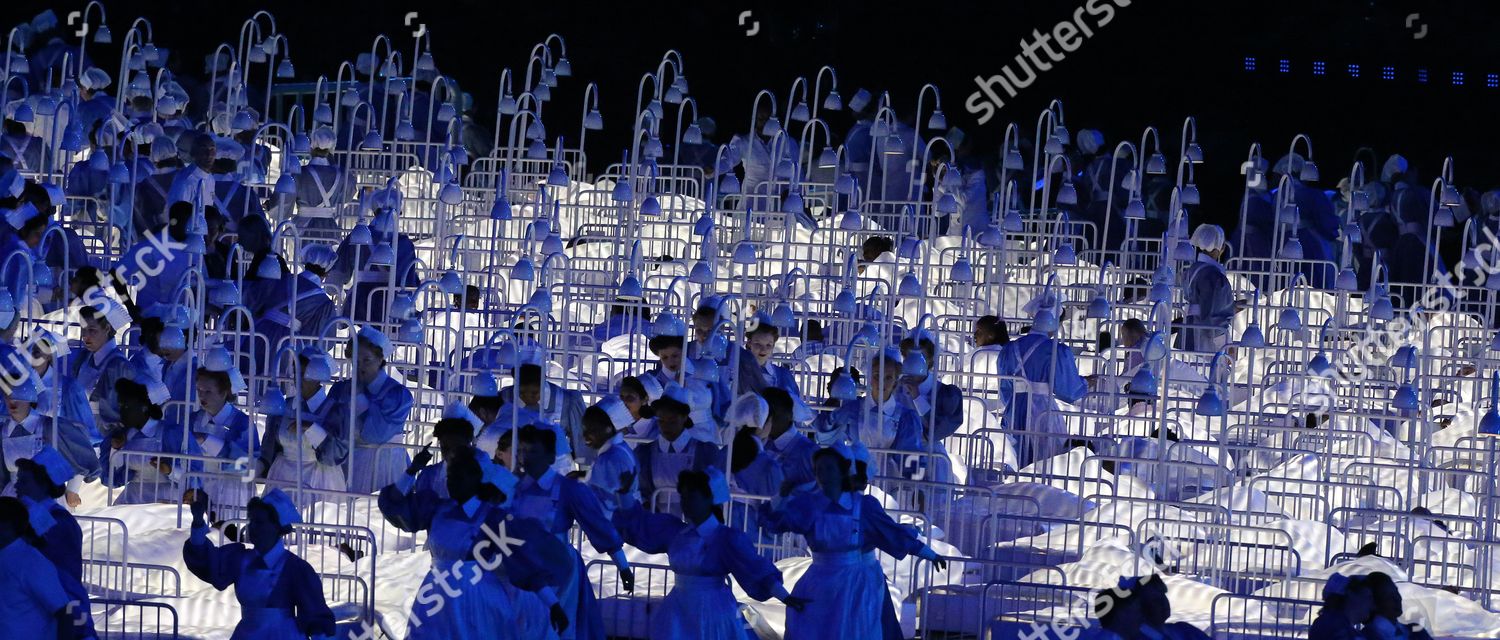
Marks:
<point>1320,68</point>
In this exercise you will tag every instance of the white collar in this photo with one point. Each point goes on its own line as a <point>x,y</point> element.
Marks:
<point>472,506</point>
<point>616,439</point>
<point>707,526</point>
<point>317,399</point>
<point>224,416</point>
<point>846,500</point>
<point>151,427</point>
<point>890,407</point>
<point>786,439</point>
<point>319,161</point>
<point>314,278</point>
<point>103,352</point>
<point>31,424</point>
<point>925,388</point>
<point>380,378</point>
<point>680,444</point>
<point>545,482</point>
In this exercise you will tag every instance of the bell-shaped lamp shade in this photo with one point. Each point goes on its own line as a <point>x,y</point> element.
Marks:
<point>1443,217</point>
<point>1143,382</point>
<point>1136,209</point>
<point>1156,164</point>
<point>1184,250</point>
<point>403,305</point>
<point>1346,280</point>
<point>1405,357</point>
<point>910,286</point>
<point>693,135</point>
<point>371,141</point>
<point>1210,404</point>
<point>1012,222</point>
<point>704,225</point>
<point>1252,337</point>
<point>508,105</point>
<point>1160,292</point>
<point>1319,365</point>
<point>833,102</point>
<point>542,92</point>
<point>1067,193</point>
<point>73,140</point>
<point>524,269</point>
<point>1053,146</point>
<point>541,299</point>
<point>593,121</point>
<point>843,388</point>
<point>286,185</point>
<point>406,131</point>
<point>323,114</point>
<point>771,127</point>
<point>500,208</point>
<point>1065,254</point>
<point>1292,249</point>
<point>120,174</point>
<point>650,206</point>
<point>284,69</point>
<point>410,331</point>
<point>451,194</point>
<point>1156,347</point>
<point>360,235</point>
<point>992,236</point>
<point>24,113</point>
<point>1188,194</point>
<point>783,317</point>
<point>558,177</point>
<point>792,203</point>
<point>1382,309</point>
<point>196,244</point>
<point>1309,171</point>
<point>1489,424</point>
<point>552,244</point>
<point>845,304</point>
<point>744,253</point>
<point>1099,308</point>
<point>630,288</point>
<point>1014,161</point>
<point>451,283</point>
<point>1405,398</point>
<point>851,221</point>
<point>827,158</point>
<point>937,120</point>
<point>1289,320</point>
<point>701,274</point>
<point>961,272</point>
<point>799,113</point>
<point>622,192</point>
<point>844,185</point>
<point>563,68</point>
<point>947,204</point>
<point>383,255</point>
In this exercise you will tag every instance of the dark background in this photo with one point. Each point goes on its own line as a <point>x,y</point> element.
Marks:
<point>1156,63</point>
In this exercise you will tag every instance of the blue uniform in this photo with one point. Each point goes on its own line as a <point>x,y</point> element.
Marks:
<point>64,548</point>
<point>155,270</point>
<point>1210,303</point>
<point>489,603</point>
<point>701,604</point>
<point>380,421</point>
<point>78,435</point>
<point>25,152</point>
<point>661,460</point>
<point>1051,373</point>
<point>281,457</point>
<point>845,584</point>
<point>97,372</point>
<point>557,502</point>
<point>314,310</point>
<point>560,408</point>
<point>793,452</point>
<point>280,595</point>
<point>22,440</point>
<point>142,481</point>
<point>612,460</point>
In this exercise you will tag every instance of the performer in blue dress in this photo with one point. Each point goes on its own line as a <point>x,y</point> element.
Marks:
<point>703,554</point>
<point>462,529</point>
<point>280,595</point>
<point>845,591</point>
<point>557,502</point>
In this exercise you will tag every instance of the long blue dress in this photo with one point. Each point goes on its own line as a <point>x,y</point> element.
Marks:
<point>64,548</point>
<point>846,587</point>
<point>142,481</point>
<point>701,605</point>
<point>556,502</point>
<point>490,602</point>
<point>381,421</point>
<point>97,373</point>
<point>280,596</point>
<point>1031,408</point>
